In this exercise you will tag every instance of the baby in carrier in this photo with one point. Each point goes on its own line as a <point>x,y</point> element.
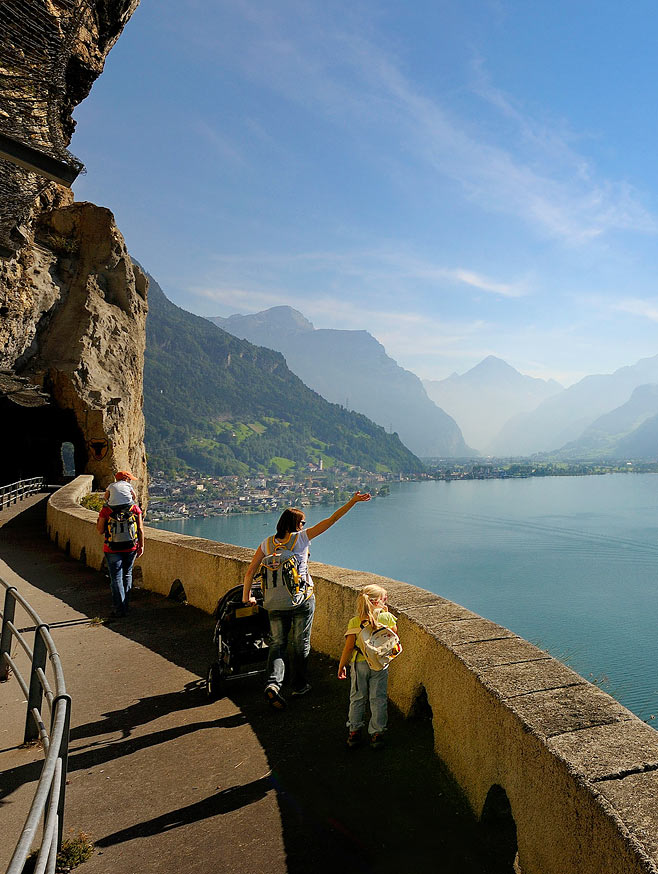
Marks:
<point>120,494</point>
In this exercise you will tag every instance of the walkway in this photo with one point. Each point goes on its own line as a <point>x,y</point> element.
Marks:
<point>161,779</point>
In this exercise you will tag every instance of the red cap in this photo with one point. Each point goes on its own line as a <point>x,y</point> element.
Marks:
<point>123,474</point>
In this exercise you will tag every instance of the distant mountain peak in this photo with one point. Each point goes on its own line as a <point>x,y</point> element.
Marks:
<point>279,318</point>
<point>494,364</point>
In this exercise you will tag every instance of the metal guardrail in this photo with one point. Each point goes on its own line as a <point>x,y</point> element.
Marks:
<point>14,492</point>
<point>48,802</point>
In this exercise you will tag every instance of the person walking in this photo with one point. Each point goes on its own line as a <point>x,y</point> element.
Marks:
<point>367,683</point>
<point>123,531</point>
<point>288,595</point>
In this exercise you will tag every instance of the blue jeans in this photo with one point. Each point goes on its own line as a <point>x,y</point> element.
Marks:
<point>368,685</point>
<point>298,620</point>
<point>120,566</point>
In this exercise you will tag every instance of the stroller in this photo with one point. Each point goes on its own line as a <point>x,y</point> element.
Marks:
<point>240,645</point>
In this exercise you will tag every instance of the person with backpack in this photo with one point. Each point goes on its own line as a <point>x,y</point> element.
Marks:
<point>282,564</point>
<point>371,643</point>
<point>123,530</point>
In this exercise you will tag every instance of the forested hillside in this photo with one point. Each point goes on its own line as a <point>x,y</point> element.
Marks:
<point>223,406</point>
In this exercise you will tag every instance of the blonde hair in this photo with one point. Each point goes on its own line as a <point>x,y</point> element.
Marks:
<point>366,604</point>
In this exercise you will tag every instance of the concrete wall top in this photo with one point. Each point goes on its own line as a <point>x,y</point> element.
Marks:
<point>580,771</point>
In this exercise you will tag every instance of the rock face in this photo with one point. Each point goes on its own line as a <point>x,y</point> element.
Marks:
<point>73,322</point>
<point>72,304</point>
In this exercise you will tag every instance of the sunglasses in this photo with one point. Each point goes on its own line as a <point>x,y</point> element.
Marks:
<point>303,522</point>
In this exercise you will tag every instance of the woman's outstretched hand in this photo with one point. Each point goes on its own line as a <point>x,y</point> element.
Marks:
<point>360,496</point>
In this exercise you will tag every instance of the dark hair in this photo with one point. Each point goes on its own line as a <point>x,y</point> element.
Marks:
<point>288,521</point>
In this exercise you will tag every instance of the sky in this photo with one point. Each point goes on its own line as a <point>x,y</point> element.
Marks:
<point>460,178</point>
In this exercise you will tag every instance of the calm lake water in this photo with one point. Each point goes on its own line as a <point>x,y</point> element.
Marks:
<point>569,563</point>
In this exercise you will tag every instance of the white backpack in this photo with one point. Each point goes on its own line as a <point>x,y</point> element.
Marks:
<point>283,588</point>
<point>379,645</point>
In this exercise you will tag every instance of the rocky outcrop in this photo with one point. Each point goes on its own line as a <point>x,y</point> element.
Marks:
<point>72,304</point>
<point>73,309</point>
<point>50,55</point>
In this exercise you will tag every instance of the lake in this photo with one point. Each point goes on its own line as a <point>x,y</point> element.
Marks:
<point>569,563</point>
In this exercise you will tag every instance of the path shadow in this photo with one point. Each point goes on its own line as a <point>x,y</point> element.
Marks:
<point>215,805</point>
<point>395,808</point>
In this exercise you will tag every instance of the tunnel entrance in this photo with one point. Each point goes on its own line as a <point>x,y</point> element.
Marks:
<point>32,441</point>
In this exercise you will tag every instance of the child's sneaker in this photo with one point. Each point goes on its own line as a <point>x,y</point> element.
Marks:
<point>305,689</point>
<point>354,739</point>
<point>376,740</point>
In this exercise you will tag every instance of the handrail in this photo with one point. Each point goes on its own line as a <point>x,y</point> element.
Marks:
<point>23,488</point>
<point>48,802</point>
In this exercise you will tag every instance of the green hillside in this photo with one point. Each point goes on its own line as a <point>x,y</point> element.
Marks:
<point>223,406</point>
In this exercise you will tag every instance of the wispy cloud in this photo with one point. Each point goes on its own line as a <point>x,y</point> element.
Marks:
<point>322,60</point>
<point>647,309</point>
<point>388,267</point>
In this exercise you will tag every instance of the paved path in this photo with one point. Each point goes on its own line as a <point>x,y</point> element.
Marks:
<point>162,780</point>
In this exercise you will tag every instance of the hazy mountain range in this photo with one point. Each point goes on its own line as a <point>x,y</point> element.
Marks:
<point>563,418</point>
<point>631,428</point>
<point>491,408</point>
<point>224,406</point>
<point>352,368</point>
<point>483,399</point>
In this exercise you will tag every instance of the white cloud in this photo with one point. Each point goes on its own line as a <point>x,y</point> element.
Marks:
<point>647,309</point>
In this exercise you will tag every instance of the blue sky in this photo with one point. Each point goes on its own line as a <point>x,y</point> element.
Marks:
<point>459,177</point>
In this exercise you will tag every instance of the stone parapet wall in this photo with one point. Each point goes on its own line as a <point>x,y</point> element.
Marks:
<point>520,732</point>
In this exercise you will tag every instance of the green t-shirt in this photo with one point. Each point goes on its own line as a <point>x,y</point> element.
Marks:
<point>354,626</point>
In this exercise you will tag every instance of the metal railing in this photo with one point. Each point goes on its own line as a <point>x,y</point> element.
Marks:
<point>48,802</point>
<point>17,491</point>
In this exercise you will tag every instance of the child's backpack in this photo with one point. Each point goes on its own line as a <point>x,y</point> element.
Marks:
<point>379,645</point>
<point>283,588</point>
<point>122,528</point>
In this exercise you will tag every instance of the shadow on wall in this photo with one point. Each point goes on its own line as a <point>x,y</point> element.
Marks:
<point>499,833</point>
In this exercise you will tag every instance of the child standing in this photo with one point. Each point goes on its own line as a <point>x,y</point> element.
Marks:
<point>366,683</point>
<point>121,493</point>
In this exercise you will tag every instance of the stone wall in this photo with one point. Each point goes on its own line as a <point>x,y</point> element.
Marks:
<point>523,735</point>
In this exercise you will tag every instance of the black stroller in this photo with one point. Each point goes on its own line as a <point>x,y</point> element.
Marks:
<point>240,645</point>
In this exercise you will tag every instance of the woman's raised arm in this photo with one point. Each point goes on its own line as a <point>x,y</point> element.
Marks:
<point>321,527</point>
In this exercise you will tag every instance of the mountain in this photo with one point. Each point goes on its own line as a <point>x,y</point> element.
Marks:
<point>224,406</point>
<point>620,428</point>
<point>484,398</point>
<point>563,418</point>
<point>642,442</point>
<point>352,368</point>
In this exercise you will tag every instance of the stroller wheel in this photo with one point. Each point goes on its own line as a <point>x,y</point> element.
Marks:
<point>214,682</point>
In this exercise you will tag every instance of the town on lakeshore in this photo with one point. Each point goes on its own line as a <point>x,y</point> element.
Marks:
<point>194,494</point>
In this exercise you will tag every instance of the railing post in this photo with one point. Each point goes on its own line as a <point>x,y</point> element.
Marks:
<point>35,696</point>
<point>64,756</point>
<point>6,635</point>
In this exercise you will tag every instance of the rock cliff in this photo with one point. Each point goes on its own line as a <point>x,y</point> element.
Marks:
<point>72,304</point>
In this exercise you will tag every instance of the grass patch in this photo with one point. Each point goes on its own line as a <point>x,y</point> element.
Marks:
<point>75,851</point>
<point>283,464</point>
<point>94,502</point>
